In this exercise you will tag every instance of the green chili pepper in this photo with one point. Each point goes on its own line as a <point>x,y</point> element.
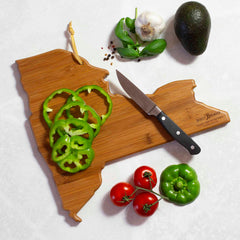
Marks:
<point>77,160</point>
<point>153,48</point>
<point>47,110</point>
<point>89,88</point>
<point>179,183</point>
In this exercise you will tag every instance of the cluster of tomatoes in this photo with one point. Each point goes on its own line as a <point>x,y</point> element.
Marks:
<point>145,201</point>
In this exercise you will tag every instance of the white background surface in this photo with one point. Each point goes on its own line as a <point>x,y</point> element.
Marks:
<point>30,205</point>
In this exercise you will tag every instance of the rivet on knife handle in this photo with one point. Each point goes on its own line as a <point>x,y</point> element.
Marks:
<point>178,134</point>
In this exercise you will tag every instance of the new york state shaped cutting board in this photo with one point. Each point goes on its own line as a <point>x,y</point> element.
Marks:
<point>128,130</point>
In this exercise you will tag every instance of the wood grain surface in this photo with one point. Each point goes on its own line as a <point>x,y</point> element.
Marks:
<point>128,130</point>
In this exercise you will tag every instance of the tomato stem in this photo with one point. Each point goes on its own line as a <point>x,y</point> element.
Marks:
<point>147,207</point>
<point>155,202</point>
<point>150,190</point>
<point>133,193</point>
<point>148,175</point>
<point>150,181</point>
<point>127,198</point>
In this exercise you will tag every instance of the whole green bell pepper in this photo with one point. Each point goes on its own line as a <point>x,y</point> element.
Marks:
<point>179,183</point>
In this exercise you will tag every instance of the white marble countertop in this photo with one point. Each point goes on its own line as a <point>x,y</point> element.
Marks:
<point>30,204</point>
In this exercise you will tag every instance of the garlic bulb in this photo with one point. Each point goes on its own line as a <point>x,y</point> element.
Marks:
<point>148,26</point>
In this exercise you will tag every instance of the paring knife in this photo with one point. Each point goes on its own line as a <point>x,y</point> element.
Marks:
<point>152,109</point>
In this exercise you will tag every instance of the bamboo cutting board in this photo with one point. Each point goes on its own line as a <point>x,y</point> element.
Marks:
<point>128,130</point>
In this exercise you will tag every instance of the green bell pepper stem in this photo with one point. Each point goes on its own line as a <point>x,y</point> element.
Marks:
<point>180,184</point>
<point>77,161</point>
<point>47,110</point>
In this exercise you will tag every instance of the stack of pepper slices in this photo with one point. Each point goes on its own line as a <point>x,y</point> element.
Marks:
<point>71,137</point>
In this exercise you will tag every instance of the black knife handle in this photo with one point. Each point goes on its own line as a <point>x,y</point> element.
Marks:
<point>178,134</point>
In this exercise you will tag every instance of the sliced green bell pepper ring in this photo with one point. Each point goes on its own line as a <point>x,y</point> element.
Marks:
<point>71,127</point>
<point>89,88</point>
<point>71,138</point>
<point>80,143</point>
<point>84,109</point>
<point>61,149</point>
<point>77,161</point>
<point>179,183</point>
<point>47,110</point>
<point>66,107</point>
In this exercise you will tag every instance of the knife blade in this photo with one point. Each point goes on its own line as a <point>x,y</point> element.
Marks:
<point>151,108</point>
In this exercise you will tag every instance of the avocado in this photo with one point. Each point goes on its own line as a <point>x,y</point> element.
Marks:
<point>192,24</point>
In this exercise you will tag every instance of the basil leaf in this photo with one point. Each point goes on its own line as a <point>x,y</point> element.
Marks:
<point>153,48</point>
<point>122,34</point>
<point>130,24</point>
<point>129,53</point>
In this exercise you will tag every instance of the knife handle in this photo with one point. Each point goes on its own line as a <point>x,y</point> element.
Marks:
<point>178,134</point>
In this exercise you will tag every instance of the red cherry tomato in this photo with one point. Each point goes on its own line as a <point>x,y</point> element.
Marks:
<point>145,204</point>
<point>145,177</point>
<point>122,194</point>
